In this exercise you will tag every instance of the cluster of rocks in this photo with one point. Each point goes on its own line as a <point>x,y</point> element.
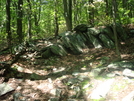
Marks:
<point>83,37</point>
<point>110,85</point>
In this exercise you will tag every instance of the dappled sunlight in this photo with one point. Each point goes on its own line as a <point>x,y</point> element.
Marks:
<point>127,56</point>
<point>35,89</point>
<point>74,50</point>
<point>71,75</point>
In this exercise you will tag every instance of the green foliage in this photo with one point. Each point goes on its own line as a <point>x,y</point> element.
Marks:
<point>42,16</point>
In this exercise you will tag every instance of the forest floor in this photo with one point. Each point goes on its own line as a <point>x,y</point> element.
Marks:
<point>44,76</point>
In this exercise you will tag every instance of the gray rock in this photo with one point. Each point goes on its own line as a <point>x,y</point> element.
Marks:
<point>73,81</point>
<point>54,99</point>
<point>19,68</point>
<point>108,31</point>
<point>73,43</point>
<point>111,75</point>
<point>129,97</point>
<point>56,92</point>
<point>95,41</point>
<point>128,72</point>
<point>19,97</point>
<point>101,90</point>
<point>93,31</point>
<point>5,88</point>
<point>106,41</point>
<point>72,100</point>
<point>95,72</point>
<point>75,100</point>
<point>121,64</point>
<point>58,50</point>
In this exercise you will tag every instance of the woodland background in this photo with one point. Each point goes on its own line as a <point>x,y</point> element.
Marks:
<point>23,20</point>
<point>66,50</point>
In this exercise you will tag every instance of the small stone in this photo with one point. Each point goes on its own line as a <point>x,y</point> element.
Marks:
<point>128,72</point>
<point>5,88</point>
<point>54,99</point>
<point>73,81</point>
<point>129,97</point>
<point>19,97</point>
<point>56,92</point>
<point>110,75</point>
<point>72,100</point>
<point>102,90</point>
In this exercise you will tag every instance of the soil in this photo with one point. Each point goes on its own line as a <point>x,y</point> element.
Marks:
<point>39,89</point>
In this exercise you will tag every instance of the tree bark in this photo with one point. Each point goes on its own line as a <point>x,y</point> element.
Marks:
<point>91,14</point>
<point>68,13</point>
<point>75,12</point>
<point>29,34</point>
<point>56,19</point>
<point>8,21</point>
<point>19,21</point>
<point>107,7</point>
<point>114,7</point>
<point>37,16</point>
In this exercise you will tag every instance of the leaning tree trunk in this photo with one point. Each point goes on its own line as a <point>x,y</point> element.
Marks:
<point>114,28</point>
<point>8,18</point>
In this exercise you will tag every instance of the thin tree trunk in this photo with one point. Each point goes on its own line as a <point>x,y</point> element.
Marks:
<point>37,16</point>
<point>8,21</point>
<point>107,7</point>
<point>29,34</point>
<point>19,21</point>
<point>114,28</point>
<point>91,14</point>
<point>68,13</point>
<point>56,20</point>
<point>75,11</point>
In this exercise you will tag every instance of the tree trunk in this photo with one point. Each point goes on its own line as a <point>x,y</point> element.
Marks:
<point>68,13</point>
<point>19,21</point>
<point>75,12</point>
<point>107,7</point>
<point>29,34</point>
<point>8,18</point>
<point>56,19</point>
<point>37,16</point>
<point>114,28</point>
<point>91,14</point>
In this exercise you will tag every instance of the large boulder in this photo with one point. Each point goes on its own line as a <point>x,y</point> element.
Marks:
<point>122,35</point>
<point>94,31</point>
<point>82,28</point>
<point>46,52</point>
<point>107,42</point>
<point>94,40</point>
<point>58,49</point>
<point>73,43</point>
<point>108,31</point>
